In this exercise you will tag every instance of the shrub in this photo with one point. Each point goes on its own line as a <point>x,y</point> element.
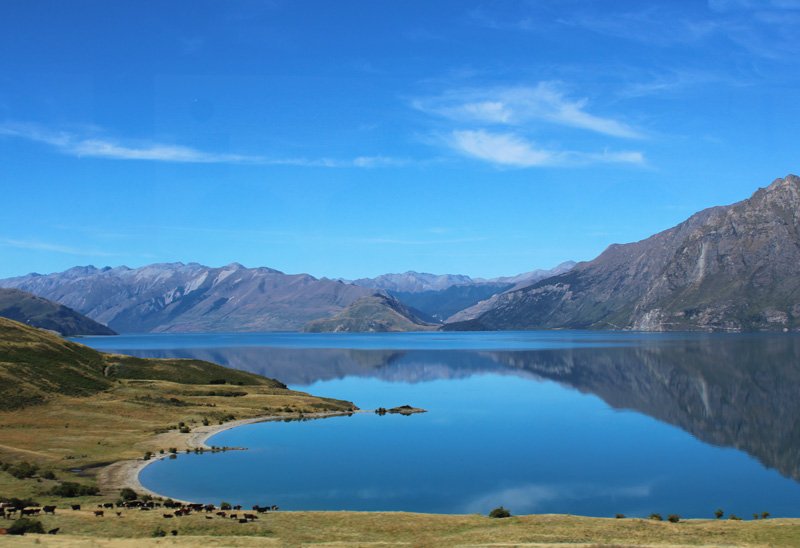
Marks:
<point>69,489</point>
<point>21,470</point>
<point>673,518</point>
<point>217,381</point>
<point>49,475</point>
<point>26,525</point>
<point>184,430</point>
<point>764,515</point>
<point>620,516</point>
<point>147,455</point>
<point>719,513</point>
<point>173,450</point>
<point>499,513</point>
<point>655,517</point>
<point>159,532</point>
<point>205,421</point>
<point>225,506</point>
<point>734,517</point>
<point>128,494</point>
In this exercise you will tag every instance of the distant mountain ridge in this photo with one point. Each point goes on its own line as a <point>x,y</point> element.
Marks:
<point>728,268</point>
<point>177,297</point>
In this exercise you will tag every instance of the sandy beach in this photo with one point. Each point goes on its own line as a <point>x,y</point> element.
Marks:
<point>126,473</point>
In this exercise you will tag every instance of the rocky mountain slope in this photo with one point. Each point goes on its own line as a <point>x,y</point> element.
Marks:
<point>190,297</point>
<point>29,309</point>
<point>376,313</point>
<point>725,268</point>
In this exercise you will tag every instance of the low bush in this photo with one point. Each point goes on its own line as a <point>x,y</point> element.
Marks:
<point>26,525</point>
<point>69,489</point>
<point>719,513</point>
<point>655,517</point>
<point>21,470</point>
<point>128,494</point>
<point>499,513</point>
<point>620,516</point>
<point>673,518</point>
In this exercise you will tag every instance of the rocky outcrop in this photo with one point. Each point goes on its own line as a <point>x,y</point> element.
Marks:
<point>730,268</point>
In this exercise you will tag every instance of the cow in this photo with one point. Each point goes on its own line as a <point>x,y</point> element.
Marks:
<point>30,512</point>
<point>49,510</point>
<point>98,513</point>
<point>167,515</point>
<point>237,507</point>
<point>251,517</point>
<point>108,505</point>
<point>76,506</point>
<point>234,516</point>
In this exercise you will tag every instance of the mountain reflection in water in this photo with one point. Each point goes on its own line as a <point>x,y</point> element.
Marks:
<point>735,391</point>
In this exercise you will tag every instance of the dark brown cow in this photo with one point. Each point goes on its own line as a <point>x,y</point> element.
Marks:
<point>49,510</point>
<point>98,513</point>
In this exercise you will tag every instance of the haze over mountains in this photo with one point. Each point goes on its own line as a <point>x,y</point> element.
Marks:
<point>725,268</point>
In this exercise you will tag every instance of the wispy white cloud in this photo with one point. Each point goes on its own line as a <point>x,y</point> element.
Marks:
<point>511,150</point>
<point>520,105</point>
<point>44,246</point>
<point>99,147</point>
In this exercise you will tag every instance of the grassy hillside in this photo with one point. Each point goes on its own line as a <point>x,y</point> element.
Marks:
<point>29,309</point>
<point>67,406</point>
<point>36,366</point>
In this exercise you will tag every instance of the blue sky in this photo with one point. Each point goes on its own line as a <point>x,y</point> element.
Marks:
<point>350,139</point>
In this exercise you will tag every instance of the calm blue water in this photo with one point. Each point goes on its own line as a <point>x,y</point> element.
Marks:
<point>591,423</point>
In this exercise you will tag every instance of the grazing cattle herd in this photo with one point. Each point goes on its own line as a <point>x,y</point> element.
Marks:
<point>178,510</point>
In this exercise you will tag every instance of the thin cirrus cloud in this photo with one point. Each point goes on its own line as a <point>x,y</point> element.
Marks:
<point>508,149</point>
<point>43,246</point>
<point>74,145</point>
<point>520,105</point>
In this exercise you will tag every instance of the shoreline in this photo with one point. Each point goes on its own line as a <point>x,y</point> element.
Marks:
<point>125,473</point>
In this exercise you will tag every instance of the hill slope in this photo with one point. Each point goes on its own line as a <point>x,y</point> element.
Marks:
<point>179,297</point>
<point>724,268</point>
<point>36,366</point>
<point>377,313</point>
<point>29,309</point>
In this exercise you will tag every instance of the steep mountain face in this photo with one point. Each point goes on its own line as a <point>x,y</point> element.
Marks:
<point>725,268</point>
<point>192,298</point>
<point>376,313</point>
<point>29,309</point>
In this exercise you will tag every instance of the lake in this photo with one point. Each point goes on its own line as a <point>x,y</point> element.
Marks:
<point>587,423</point>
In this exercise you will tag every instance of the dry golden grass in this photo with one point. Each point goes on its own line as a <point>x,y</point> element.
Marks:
<point>122,423</point>
<point>351,529</point>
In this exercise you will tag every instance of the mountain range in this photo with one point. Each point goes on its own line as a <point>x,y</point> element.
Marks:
<point>726,268</point>
<point>729,268</point>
